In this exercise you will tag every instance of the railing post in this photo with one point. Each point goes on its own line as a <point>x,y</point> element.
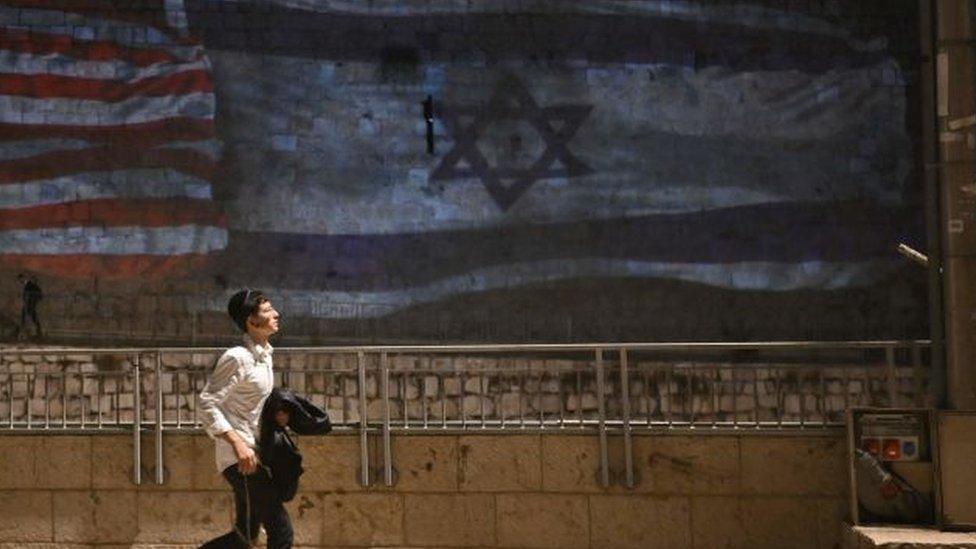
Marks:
<point>892,380</point>
<point>604,457</point>
<point>387,451</point>
<point>363,425</point>
<point>625,404</point>
<point>919,376</point>
<point>160,478</point>
<point>137,422</point>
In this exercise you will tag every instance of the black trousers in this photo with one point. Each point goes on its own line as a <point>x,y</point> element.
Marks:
<point>29,311</point>
<point>256,502</point>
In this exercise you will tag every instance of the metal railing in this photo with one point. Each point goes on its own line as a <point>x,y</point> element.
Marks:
<point>606,389</point>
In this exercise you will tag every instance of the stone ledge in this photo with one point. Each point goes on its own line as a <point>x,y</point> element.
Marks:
<point>903,537</point>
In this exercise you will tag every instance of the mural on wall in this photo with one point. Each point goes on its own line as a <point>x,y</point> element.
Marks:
<point>283,145</point>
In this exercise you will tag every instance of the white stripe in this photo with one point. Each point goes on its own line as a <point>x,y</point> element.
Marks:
<point>60,65</point>
<point>14,150</point>
<point>87,112</point>
<point>84,27</point>
<point>767,276</point>
<point>153,183</point>
<point>186,239</point>
<point>207,147</point>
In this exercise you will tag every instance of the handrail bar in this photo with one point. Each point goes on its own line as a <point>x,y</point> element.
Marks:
<point>592,347</point>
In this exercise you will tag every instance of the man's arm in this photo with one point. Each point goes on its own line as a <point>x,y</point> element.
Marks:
<point>247,460</point>
<point>222,380</point>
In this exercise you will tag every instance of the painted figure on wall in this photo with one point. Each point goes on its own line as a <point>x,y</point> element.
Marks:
<point>30,297</point>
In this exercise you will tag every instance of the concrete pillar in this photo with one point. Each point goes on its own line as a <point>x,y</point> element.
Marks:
<point>956,108</point>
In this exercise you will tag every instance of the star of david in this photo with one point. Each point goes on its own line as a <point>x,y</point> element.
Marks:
<point>511,100</point>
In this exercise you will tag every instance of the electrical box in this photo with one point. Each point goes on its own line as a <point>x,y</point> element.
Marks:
<point>897,436</point>
<point>901,440</point>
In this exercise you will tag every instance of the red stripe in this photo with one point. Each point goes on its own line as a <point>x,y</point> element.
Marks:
<point>90,50</point>
<point>47,86</point>
<point>147,13</point>
<point>115,213</point>
<point>61,163</point>
<point>108,266</point>
<point>146,134</point>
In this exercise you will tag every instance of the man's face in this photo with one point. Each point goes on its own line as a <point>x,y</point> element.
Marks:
<point>265,319</point>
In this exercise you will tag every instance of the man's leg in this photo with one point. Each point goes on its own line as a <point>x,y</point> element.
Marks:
<point>37,323</point>
<point>277,524</point>
<point>274,517</point>
<point>245,515</point>
<point>22,327</point>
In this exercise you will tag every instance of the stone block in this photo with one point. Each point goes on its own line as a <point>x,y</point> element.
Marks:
<point>411,389</point>
<point>25,516</point>
<point>502,463</point>
<point>362,519</point>
<point>67,462</point>
<point>426,463</point>
<point>717,522</point>
<point>350,386</point>
<point>548,404</point>
<point>832,514</point>
<point>510,405</point>
<point>95,516</point>
<point>550,385</point>
<point>179,462</point>
<point>543,520</point>
<point>586,401</point>
<point>19,461</point>
<point>459,520</point>
<point>205,474</point>
<point>331,463</point>
<point>183,517</point>
<point>780,522</point>
<point>350,412</point>
<point>645,522</point>
<point>476,406</point>
<point>431,385</point>
<point>672,464</point>
<point>797,465</point>
<point>476,385</point>
<point>570,463</point>
<point>113,454</point>
<point>306,518</point>
<point>452,386</point>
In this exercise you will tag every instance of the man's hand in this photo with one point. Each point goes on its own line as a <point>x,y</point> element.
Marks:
<point>247,460</point>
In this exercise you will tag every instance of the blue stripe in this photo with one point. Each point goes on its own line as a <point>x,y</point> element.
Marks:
<point>791,233</point>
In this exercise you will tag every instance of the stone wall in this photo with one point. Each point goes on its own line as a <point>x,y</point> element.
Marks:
<point>733,170</point>
<point>462,388</point>
<point>526,491</point>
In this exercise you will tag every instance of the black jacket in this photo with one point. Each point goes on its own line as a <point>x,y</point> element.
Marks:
<point>277,450</point>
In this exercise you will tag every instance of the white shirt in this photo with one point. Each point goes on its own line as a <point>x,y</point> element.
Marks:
<point>234,395</point>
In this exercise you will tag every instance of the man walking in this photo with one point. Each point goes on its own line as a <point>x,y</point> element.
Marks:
<point>230,406</point>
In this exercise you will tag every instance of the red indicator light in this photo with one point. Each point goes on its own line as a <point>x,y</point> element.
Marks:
<point>872,446</point>
<point>891,448</point>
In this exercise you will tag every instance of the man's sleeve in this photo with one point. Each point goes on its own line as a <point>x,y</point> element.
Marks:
<point>225,375</point>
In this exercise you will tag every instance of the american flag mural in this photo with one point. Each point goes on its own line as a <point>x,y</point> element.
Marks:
<point>107,143</point>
